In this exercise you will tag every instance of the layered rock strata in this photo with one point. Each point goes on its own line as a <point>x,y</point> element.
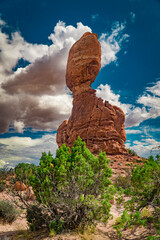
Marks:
<point>98,123</point>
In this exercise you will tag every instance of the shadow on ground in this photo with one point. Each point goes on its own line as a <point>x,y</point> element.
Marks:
<point>23,235</point>
<point>139,233</point>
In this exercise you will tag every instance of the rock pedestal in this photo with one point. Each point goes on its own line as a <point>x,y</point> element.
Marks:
<point>98,123</point>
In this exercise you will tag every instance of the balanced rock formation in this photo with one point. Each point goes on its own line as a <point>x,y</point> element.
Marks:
<point>98,123</point>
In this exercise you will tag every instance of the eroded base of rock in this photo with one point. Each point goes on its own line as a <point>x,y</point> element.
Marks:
<point>99,124</point>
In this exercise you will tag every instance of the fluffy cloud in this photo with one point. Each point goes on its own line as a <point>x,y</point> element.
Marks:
<point>24,149</point>
<point>136,115</point>
<point>105,92</point>
<point>36,96</point>
<point>19,126</point>
<point>46,74</point>
<point>133,131</point>
<point>64,36</point>
<point>145,147</point>
<point>155,89</point>
<point>45,113</point>
<point>3,164</point>
<point>111,44</point>
<point>2,23</point>
<point>15,48</point>
<point>149,107</point>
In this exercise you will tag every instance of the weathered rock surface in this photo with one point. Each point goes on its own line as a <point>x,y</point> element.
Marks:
<point>98,123</point>
<point>84,63</point>
<point>19,186</point>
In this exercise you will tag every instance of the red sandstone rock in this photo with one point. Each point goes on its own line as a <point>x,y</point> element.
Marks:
<point>19,186</point>
<point>30,194</point>
<point>99,124</point>
<point>121,164</point>
<point>84,63</point>
<point>111,201</point>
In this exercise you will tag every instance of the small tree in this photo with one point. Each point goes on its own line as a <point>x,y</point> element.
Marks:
<point>72,189</point>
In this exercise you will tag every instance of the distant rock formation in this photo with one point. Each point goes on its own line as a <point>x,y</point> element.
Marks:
<point>98,123</point>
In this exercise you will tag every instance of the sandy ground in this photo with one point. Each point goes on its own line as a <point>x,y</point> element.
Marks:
<point>7,230</point>
<point>102,232</point>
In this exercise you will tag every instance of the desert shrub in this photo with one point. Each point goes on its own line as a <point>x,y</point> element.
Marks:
<point>73,189</point>
<point>158,157</point>
<point>5,172</point>
<point>132,152</point>
<point>144,194</point>
<point>35,217</point>
<point>122,181</point>
<point>153,237</point>
<point>8,211</point>
<point>146,212</point>
<point>23,171</point>
<point>2,186</point>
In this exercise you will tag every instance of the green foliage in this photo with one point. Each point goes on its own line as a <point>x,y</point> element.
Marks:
<point>73,188</point>
<point>8,212</point>
<point>153,237</point>
<point>4,173</point>
<point>35,217</point>
<point>2,186</point>
<point>122,181</point>
<point>158,157</point>
<point>132,152</point>
<point>23,171</point>
<point>144,194</point>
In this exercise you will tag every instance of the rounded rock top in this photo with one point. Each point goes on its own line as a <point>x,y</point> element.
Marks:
<point>84,63</point>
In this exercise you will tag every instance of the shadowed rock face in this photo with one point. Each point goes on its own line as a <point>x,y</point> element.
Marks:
<point>99,124</point>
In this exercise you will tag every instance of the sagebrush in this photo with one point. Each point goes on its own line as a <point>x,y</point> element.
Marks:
<point>8,212</point>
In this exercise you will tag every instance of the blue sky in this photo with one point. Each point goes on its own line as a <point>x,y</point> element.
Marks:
<point>35,37</point>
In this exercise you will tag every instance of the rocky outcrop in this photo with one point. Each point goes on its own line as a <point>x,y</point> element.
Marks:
<point>19,186</point>
<point>98,123</point>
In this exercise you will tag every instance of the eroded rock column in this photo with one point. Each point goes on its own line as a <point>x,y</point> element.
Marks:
<point>98,123</point>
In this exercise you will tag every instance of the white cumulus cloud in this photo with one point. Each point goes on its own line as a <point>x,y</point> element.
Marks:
<point>111,43</point>
<point>19,126</point>
<point>133,131</point>
<point>145,147</point>
<point>15,48</point>
<point>36,95</point>
<point>149,103</point>
<point>25,149</point>
<point>105,92</point>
